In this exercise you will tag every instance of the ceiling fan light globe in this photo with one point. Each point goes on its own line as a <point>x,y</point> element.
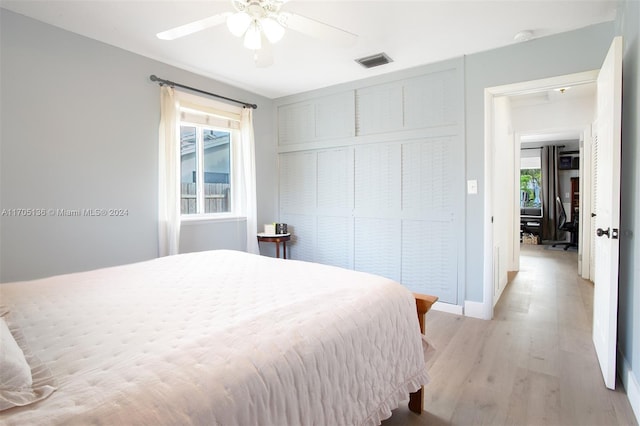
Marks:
<point>238,23</point>
<point>272,29</point>
<point>253,37</point>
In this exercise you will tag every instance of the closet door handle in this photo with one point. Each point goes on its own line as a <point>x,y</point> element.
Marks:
<point>600,232</point>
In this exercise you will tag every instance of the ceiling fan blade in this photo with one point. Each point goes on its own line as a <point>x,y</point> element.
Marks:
<point>193,27</point>
<point>317,29</point>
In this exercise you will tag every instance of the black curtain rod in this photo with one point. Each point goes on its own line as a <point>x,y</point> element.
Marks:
<point>540,147</point>
<point>173,84</point>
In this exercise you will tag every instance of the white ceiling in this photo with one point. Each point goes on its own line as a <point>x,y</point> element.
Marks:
<point>412,33</point>
<point>584,93</point>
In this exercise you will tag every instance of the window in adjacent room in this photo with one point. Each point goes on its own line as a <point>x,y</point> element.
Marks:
<point>206,164</point>
<point>530,181</point>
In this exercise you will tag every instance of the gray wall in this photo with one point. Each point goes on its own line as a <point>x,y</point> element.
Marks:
<point>628,23</point>
<point>79,129</point>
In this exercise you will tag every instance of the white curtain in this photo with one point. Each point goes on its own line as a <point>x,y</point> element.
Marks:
<point>247,192</point>
<point>169,173</point>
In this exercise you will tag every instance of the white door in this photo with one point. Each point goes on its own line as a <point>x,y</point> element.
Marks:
<point>607,210</point>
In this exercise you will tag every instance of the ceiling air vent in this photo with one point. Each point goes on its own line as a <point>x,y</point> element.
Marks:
<point>374,60</point>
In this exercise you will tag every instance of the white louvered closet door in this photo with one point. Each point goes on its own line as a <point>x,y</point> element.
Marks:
<point>377,209</point>
<point>334,241</point>
<point>298,201</point>
<point>429,258</point>
<point>372,179</point>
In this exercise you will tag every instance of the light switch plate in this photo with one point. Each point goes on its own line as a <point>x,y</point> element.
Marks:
<point>472,186</point>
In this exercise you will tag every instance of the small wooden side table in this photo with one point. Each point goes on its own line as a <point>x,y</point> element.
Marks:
<point>277,239</point>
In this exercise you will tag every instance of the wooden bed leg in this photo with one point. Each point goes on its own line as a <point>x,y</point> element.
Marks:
<point>423,304</point>
<point>416,402</point>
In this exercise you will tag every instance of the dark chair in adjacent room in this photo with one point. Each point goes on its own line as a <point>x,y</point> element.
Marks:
<point>565,225</point>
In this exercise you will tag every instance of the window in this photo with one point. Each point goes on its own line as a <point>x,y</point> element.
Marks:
<point>206,166</point>
<point>206,163</point>
<point>205,170</point>
<point>530,181</point>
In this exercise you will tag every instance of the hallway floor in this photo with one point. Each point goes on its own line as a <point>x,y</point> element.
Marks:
<point>533,364</point>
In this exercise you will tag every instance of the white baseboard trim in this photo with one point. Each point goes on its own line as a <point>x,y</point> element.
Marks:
<point>447,307</point>
<point>475,310</point>
<point>630,384</point>
<point>470,309</point>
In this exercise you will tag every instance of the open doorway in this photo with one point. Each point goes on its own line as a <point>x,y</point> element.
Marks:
<point>546,121</point>
<point>553,126</point>
<point>550,193</point>
<point>604,211</point>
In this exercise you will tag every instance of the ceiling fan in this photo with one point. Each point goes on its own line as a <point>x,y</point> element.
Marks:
<point>256,20</point>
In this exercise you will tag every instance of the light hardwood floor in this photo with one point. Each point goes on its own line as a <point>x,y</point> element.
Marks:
<point>533,364</point>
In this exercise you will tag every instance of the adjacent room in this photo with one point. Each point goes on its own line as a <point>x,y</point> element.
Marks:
<point>317,212</point>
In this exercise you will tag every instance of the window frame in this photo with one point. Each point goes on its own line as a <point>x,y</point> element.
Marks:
<point>536,166</point>
<point>234,134</point>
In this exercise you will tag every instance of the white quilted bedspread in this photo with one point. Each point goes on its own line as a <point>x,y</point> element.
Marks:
<point>218,337</point>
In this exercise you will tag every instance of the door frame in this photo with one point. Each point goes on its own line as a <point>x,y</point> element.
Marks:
<point>489,94</point>
<point>586,230</point>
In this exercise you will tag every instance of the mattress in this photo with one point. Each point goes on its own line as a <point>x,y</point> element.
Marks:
<point>218,337</point>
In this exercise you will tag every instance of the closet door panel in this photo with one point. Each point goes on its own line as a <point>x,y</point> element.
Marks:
<point>335,181</point>
<point>335,241</point>
<point>427,178</point>
<point>377,180</point>
<point>379,109</point>
<point>335,116</point>
<point>335,207</point>
<point>431,100</point>
<point>298,182</point>
<point>429,261</point>
<point>377,246</point>
<point>303,229</point>
<point>296,123</point>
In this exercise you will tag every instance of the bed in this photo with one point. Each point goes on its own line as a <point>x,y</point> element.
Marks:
<point>211,338</point>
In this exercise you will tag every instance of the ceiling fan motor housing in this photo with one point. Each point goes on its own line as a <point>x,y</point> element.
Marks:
<point>257,8</point>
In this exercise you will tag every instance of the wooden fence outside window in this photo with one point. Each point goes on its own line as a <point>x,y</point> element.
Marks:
<point>216,198</point>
